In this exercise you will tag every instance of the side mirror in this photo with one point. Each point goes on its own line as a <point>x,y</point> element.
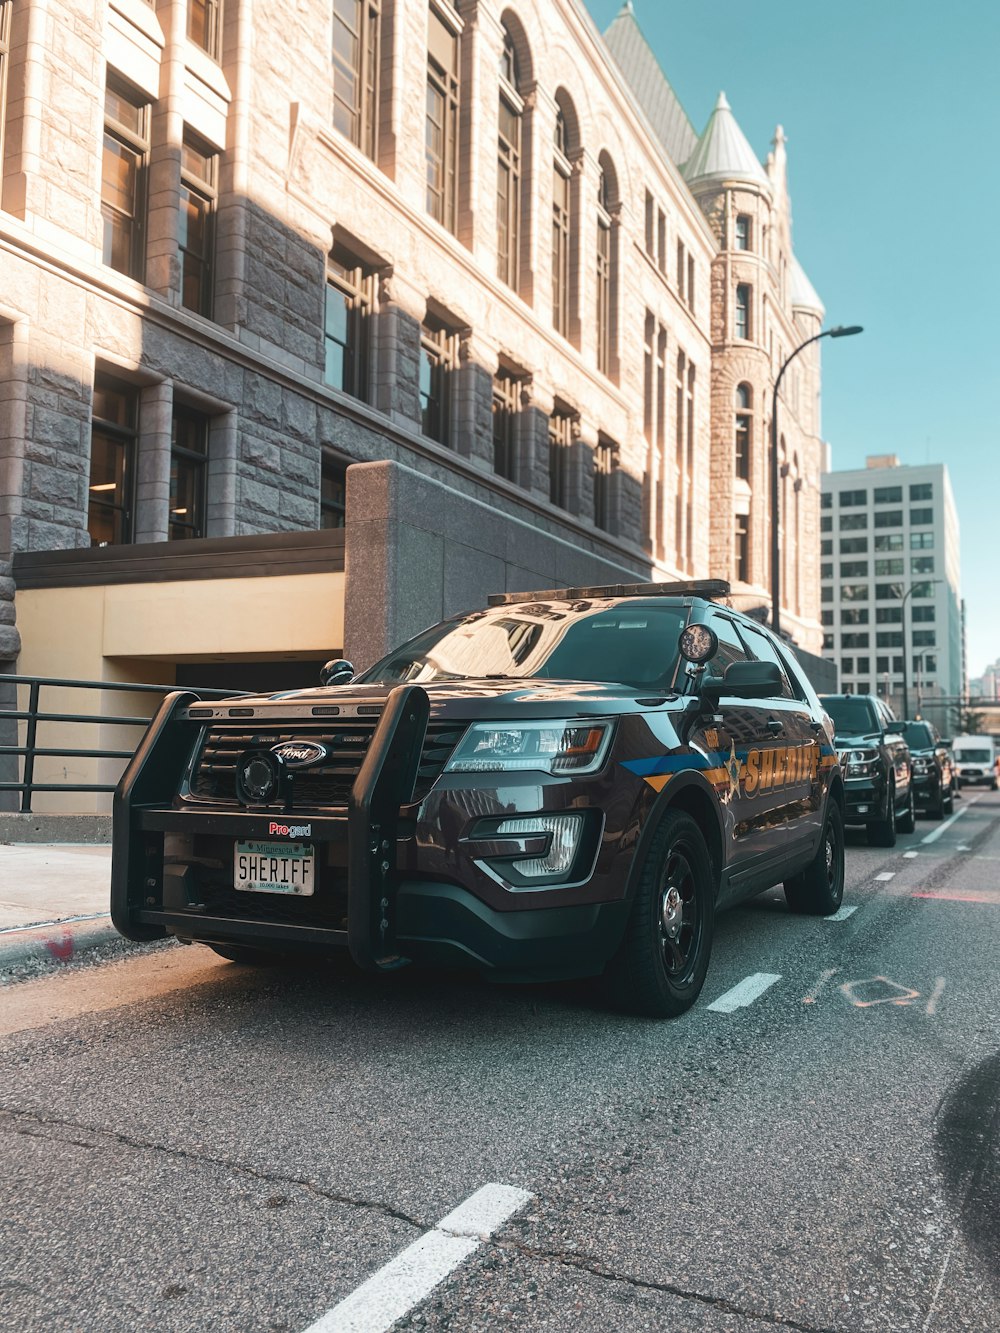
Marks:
<point>337,672</point>
<point>896,728</point>
<point>745,680</point>
<point>946,741</point>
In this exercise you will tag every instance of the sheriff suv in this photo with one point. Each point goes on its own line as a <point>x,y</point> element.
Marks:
<point>563,784</point>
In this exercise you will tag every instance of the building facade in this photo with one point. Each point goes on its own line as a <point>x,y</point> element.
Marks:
<point>249,251</point>
<point>891,577</point>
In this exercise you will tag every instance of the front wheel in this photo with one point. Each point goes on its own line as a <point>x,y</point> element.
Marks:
<point>660,967</point>
<point>907,821</point>
<point>882,832</point>
<point>819,889</point>
<point>948,801</point>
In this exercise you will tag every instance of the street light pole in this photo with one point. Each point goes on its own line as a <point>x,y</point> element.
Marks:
<point>924,583</point>
<point>841,331</point>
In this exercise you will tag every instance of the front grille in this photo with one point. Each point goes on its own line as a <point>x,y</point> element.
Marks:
<point>214,775</point>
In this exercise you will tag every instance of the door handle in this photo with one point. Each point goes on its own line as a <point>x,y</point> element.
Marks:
<point>774,726</point>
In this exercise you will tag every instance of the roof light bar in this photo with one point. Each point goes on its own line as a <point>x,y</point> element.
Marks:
<point>709,588</point>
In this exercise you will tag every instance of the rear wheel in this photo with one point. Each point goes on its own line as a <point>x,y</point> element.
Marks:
<point>819,889</point>
<point>948,800</point>
<point>882,832</point>
<point>660,967</point>
<point>907,821</point>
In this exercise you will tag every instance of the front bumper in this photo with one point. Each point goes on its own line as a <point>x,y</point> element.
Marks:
<point>864,800</point>
<point>926,789</point>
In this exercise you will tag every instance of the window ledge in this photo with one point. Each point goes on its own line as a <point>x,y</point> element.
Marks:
<point>141,16</point>
<point>203,67</point>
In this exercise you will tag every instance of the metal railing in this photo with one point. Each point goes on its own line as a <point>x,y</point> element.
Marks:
<point>34,716</point>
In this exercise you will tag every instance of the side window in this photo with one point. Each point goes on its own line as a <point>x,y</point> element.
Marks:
<point>800,685</point>
<point>764,651</point>
<point>731,647</point>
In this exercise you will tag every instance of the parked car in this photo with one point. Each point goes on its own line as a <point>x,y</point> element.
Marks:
<point>875,760</point>
<point>974,760</point>
<point>933,769</point>
<point>563,783</point>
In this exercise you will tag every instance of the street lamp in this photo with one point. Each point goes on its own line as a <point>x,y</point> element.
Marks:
<point>924,583</point>
<point>841,331</point>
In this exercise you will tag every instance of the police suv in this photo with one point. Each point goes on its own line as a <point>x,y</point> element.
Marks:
<point>563,784</point>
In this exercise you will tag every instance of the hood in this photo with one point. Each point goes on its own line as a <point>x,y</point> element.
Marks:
<point>484,698</point>
<point>846,740</point>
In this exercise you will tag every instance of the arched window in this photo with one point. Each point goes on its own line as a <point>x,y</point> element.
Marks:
<point>509,166</point>
<point>607,199</point>
<point>562,215</point>
<point>744,430</point>
<point>355,71</point>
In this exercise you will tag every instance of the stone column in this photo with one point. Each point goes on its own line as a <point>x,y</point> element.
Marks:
<point>397,350</point>
<point>167,137</point>
<point>223,445</point>
<point>152,485</point>
<point>478,362</point>
<point>536,408</point>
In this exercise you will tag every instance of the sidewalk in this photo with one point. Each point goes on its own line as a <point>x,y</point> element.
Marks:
<point>53,902</point>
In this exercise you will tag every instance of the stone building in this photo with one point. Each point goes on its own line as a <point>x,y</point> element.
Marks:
<point>318,322</point>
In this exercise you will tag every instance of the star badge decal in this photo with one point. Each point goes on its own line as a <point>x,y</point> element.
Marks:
<point>733,769</point>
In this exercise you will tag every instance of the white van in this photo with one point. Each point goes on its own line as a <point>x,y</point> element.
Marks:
<point>974,757</point>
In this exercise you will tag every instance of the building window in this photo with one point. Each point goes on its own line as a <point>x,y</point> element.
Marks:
<point>889,518</point>
<point>887,568</point>
<point>188,474</point>
<point>744,430</point>
<point>889,638</point>
<point>884,495</point>
<point>743,295</point>
<point>742,551</point>
<point>561,174</point>
<point>854,615</point>
<point>888,615</point>
<point>506,405</point>
<point>826,618</point>
<point>347,338</point>
<point>826,547</point>
<point>892,541</point>
<point>921,515</point>
<point>826,523</point>
<point>509,167</point>
<point>854,569</point>
<point>742,231</point>
<point>661,241</point>
<point>355,71</point>
<point>332,492</point>
<point>853,545</point>
<point>923,490</point>
<point>852,498</point>
<point>826,500</point>
<point>650,226</point>
<point>826,594</point>
<point>199,192</point>
<point>922,541</point>
<point>605,269</point>
<point>113,437</point>
<point>826,571</point>
<point>605,463</point>
<point>921,564</point>
<point>854,640</point>
<point>681,269</point>
<point>204,25</point>
<point>560,443</point>
<point>923,614</point>
<point>924,638</point>
<point>847,666</point>
<point>853,522</point>
<point>854,592</point>
<point>441,125</point>
<point>438,358</point>
<point>123,180</point>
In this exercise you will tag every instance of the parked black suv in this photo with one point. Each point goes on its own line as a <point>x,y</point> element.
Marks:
<point>561,783</point>
<point>875,760</point>
<point>933,770</point>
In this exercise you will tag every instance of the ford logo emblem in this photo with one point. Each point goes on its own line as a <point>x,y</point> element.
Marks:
<point>301,754</point>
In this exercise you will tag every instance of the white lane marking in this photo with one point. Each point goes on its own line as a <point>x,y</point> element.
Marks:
<point>933,837</point>
<point>824,977</point>
<point>842,914</point>
<point>744,994</point>
<point>886,875</point>
<point>908,856</point>
<point>963,848</point>
<point>414,1273</point>
<point>940,1281</point>
<point>936,994</point>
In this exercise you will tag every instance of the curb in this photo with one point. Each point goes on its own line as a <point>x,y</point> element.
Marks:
<point>55,941</point>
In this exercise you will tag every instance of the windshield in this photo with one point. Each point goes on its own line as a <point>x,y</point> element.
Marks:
<point>633,645</point>
<point>918,736</point>
<point>851,717</point>
<point>975,756</point>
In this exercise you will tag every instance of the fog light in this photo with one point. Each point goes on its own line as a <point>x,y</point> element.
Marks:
<point>565,831</point>
<point>862,809</point>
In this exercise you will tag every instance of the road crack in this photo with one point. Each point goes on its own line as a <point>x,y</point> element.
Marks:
<point>32,1124</point>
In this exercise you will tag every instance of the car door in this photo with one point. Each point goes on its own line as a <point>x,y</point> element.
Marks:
<point>789,788</point>
<point>898,753</point>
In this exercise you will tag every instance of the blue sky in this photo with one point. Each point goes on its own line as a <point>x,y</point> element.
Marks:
<point>892,113</point>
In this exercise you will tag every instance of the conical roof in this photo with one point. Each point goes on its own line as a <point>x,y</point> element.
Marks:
<point>641,71</point>
<point>723,152</point>
<point>802,293</point>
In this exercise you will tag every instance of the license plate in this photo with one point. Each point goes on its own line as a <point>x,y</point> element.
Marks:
<point>274,867</point>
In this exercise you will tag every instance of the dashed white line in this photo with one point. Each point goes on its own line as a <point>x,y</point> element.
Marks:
<point>824,977</point>
<point>885,876</point>
<point>908,856</point>
<point>414,1273</point>
<point>936,994</point>
<point>842,914</point>
<point>933,837</point>
<point>744,994</point>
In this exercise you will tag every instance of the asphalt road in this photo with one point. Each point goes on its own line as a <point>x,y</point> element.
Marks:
<point>188,1144</point>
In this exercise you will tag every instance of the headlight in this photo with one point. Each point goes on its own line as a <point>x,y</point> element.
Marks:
<point>860,763</point>
<point>552,747</point>
<point>921,765</point>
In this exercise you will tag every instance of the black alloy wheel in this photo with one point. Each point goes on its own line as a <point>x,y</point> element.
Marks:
<point>819,889</point>
<point>907,821</point>
<point>948,800</point>
<point>660,967</point>
<point>882,832</point>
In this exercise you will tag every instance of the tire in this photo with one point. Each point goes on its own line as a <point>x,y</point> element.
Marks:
<point>948,802</point>
<point>882,832</point>
<point>246,956</point>
<point>907,821</point>
<point>660,967</point>
<point>819,889</point>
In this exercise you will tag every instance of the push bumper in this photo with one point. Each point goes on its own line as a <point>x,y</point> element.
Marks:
<point>864,801</point>
<point>926,789</point>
